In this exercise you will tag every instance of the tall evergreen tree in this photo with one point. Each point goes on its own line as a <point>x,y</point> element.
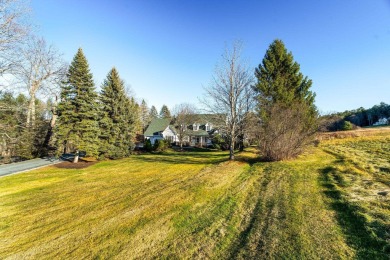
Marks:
<point>285,104</point>
<point>78,109</point>
<point>145,116</point>
<point>153,112</point>
<point>134,122</point>
<point>118,115</point>
<point>164,112</point>
<point>279,79</point>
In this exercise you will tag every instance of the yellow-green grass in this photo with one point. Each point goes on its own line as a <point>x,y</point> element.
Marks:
<point>198,205</point>
<point>358,183</point>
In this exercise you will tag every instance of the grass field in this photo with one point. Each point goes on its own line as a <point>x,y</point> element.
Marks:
<point>323,205</point>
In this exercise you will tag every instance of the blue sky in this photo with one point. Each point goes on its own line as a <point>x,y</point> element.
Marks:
<point>167,50</point>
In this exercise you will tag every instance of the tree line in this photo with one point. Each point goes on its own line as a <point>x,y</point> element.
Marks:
<point>360,117</point>
<point>148,114</point>
<point>103,125</point>
<point>28,67</point>
<point>48,107</point>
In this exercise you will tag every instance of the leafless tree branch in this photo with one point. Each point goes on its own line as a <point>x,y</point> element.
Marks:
<point>229,96</point>
<point>41,71</point>
<point>184,115</point>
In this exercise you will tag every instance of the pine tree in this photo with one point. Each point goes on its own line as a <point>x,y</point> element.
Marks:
<point>134,122</point>
<point>145,116</point>
<point>285,104</point>
<point>78,109</point>
<point>279,79</point>
<point>153,112</point>
<point>164,112</point>
<point>118,115</point>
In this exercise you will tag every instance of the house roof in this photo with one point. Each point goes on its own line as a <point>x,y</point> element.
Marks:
<point>213,119</point>
<point>200,132</point>
<point>204,118</point>
<point>157,125</point>
<point>160,124</point>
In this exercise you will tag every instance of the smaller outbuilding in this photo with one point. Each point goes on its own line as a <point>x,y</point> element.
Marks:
<point>160,128</point>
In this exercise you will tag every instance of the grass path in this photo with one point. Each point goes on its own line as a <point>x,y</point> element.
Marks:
<point>192,205</point>
<point>291,219</point>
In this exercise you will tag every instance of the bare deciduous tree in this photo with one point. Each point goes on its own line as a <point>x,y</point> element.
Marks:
<point>228,95</point>
<point>41,69</point>
<point>288,131</point>
<point>13,30</point>
<point>184,115</point>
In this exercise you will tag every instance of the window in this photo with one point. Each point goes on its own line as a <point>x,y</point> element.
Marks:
<point>195,127</point>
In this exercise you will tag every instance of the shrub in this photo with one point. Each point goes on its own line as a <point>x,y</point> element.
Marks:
<point>330,123</point>
<point>118,152</point>
<point>217,146</point>
<point>347,126</point>
<point>148,145</point>
<point>218,142</point>
<point>286,131</point>
<point>160,145</point>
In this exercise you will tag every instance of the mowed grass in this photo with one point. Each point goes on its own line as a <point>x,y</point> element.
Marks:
<point>198,205</point>
<point>358,183</point>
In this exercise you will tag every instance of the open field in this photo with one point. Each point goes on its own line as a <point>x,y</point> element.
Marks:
<point>329,203</point>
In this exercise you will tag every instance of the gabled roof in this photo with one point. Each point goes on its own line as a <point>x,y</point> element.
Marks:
<point>200,132</point>
<point>157,125</point>
<point>202,119</point>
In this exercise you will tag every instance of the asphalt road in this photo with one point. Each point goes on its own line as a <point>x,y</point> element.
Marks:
<point>11,168</point>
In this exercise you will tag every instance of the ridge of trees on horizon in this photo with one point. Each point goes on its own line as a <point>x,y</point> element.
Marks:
<point>359,117</point>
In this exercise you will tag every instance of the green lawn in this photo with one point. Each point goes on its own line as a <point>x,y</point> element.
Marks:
<point>322,205</point>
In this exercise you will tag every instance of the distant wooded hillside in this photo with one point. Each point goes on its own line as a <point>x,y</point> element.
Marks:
<point>360,117</point>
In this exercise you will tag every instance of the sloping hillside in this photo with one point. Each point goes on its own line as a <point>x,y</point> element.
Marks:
<point>329,203</point>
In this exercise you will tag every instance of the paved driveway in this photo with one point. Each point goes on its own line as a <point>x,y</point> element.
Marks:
<point>12,168</point>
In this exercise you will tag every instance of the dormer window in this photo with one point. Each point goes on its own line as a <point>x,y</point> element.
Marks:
<point>195,127</point>
<point>208,127</point>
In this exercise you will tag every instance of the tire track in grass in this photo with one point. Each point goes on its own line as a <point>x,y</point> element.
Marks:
<point>367,237</point>
<point>291,219</point>
<point>172,209</point>
<point>353,184</point>
<point>204,225</point>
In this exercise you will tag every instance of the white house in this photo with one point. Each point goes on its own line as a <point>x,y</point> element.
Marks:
<point>198,134</point>
<point>382,121</point>
<point>160,129</point>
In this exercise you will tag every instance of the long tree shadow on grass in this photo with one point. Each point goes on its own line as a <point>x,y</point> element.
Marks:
<point>250,156</point>
<point>358,231</point>
<point>200,156</point>
<point>188,157</point>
